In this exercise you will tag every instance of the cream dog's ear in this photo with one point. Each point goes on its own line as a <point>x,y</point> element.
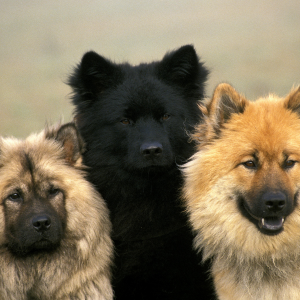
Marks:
<point>71,141</point>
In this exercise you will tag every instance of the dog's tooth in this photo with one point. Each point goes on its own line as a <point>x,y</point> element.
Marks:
<point>263,221</point>
<point>282,220</point>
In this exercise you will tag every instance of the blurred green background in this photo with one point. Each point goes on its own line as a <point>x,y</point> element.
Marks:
<point>254,45</point>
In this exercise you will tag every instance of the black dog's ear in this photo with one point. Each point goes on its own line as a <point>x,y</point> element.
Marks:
<point>71,141</point>
<point>92,76</point>
<point>182,67</point>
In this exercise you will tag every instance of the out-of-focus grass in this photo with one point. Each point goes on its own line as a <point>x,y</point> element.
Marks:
<point>253,45</point>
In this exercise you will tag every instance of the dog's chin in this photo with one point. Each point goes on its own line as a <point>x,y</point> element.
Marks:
<point>44,245</point>
<point>151,169</point>
<point>41,246</point>
<point>271,225</point>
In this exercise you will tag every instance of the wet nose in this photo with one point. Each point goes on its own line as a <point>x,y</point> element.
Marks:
<point>274,201</point>
<point>41,223</point>
<point>151,150</point>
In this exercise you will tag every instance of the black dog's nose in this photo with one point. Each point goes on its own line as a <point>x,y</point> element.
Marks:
<point>274,201</point>
<point>150,150</point>
<point>41,223</point>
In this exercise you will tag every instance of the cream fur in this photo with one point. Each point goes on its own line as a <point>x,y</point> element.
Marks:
<point>81,267</point>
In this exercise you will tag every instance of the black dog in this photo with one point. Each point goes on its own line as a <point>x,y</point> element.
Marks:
<point>135,121</point>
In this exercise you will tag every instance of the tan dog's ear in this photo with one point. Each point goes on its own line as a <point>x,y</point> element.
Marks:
<point>71,141</point>
<point>217,111</point>
<point>292,100</point>
<point>225,102</point>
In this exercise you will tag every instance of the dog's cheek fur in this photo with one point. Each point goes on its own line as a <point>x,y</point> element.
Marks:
<point>247,264</point>
<point>84,257</point>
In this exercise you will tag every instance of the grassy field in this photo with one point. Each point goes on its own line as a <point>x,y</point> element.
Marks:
<point>254,45</point>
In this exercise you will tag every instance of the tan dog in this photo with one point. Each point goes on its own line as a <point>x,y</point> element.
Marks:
<point>54,227</point>
<point>242,194</point>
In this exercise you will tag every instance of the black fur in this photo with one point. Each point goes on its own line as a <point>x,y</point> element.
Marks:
<point>134,120</point>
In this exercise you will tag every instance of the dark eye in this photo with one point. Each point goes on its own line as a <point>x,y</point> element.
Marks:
<point>125,121</point>
<point>165,117</point>
<point>250,164</point>
<point>54,191</point>
<point>16,197</point>
<point>289,163</point>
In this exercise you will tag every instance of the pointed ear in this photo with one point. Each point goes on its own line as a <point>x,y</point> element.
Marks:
<point>183,68</point>
<point>92,76</point>
<point>225,102</point>
<point>292,100</point>
<point>71,141</point>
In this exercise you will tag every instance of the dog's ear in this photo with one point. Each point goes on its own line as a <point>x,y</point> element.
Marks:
<point>225,102</point>
<point>292,100</point>
<point>183,68</point>
<point>93,75</point>
<point>71,141</point>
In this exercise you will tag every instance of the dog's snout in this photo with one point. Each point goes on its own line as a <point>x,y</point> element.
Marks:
<point>274,201</point>
<point>150,150</point>
<point>41,223</point>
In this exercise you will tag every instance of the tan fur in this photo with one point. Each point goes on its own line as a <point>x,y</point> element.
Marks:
<point>80,267</point>
<point>247,264</point>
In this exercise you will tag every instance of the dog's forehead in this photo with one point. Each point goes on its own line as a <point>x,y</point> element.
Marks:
<point>25,168</point>
<point>265,126</point>
<point>29,166</point>
<point>27,162</point>
<point>268,117</point>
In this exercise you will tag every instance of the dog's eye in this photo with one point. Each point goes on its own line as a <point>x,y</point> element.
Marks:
<point>250,164</point>
<point>126,122</point>
<point>54,191</point>
<point>289,163</point>
<point>165,117</point>
<point>16,197</point>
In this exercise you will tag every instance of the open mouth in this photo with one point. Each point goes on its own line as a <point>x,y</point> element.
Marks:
<point>271,223</point>
<point>268,225</point>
